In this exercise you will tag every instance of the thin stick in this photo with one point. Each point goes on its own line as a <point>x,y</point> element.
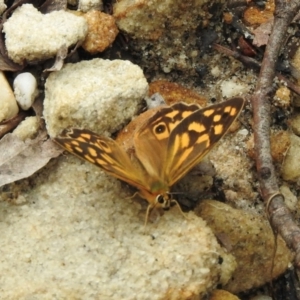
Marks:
<point>279,216</point>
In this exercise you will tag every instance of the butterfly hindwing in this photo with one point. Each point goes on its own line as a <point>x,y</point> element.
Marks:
<point>103,152</point>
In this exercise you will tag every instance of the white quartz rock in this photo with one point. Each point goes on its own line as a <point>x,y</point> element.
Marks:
<point>233,87</point>
<point>25,89</point>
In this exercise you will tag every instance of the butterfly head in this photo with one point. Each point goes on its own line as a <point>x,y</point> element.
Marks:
<point>163,200</point>
<point>158,197</point>
<point>157,201</point>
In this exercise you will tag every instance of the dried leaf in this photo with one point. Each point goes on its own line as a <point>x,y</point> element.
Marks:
<point>37,106</point>
<point>262,32</point>
<point>12,123</point>
<point>52,5</point>
<point>8,65</point>
<point>19,159</point>
<point>59,60</point>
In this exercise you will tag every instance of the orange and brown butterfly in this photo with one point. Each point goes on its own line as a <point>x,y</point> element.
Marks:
<point>165,147</point>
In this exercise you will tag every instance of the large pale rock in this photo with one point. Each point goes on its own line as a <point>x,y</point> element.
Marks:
<point>99,95</point>
<point>251,240</point>
<point>77,235</point>
<point>30,35</point>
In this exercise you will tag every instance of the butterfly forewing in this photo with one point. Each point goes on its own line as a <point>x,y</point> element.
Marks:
<point>195,136</point>
<point>103,152</point>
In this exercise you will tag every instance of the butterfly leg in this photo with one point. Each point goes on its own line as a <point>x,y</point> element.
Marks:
<point>131,197</point>
<point>148,212</point>
<point>177,204</point>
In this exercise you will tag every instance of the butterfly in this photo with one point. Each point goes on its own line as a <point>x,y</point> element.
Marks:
<point>165,147</point>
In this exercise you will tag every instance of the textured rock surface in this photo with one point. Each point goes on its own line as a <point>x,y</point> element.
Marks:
<point>77,236</point>
<point>98,94</point>
<point>250,239</point>
<point>168,26</point>
<point>102,31</point>
<point>30,35</point>
<point>148,19</point>
<point>27,128</point>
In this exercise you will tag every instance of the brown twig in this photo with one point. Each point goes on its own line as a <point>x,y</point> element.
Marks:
<point>252,63</point>
<point>280,217</point>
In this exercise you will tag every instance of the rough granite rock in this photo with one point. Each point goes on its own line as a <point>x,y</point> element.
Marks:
<point>30,35</point>
<point>99,95</point>
<point>250,239</point>
<point>234,167</point>
<point>77,236</point>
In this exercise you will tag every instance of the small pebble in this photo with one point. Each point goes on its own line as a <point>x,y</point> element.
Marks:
<point>290,199</point>
<point>87,5</point>
<point>102,31</point>
<point>25,89</point>
<point>233,87</point>
<point>27,128</point>
<point>283,97</point>
<point>8,104</point>
<point>155,100</point>
<point>222,295</point>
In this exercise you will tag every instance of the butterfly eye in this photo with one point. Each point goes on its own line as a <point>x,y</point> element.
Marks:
<point>160,199</point>
<point>160,128</point>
